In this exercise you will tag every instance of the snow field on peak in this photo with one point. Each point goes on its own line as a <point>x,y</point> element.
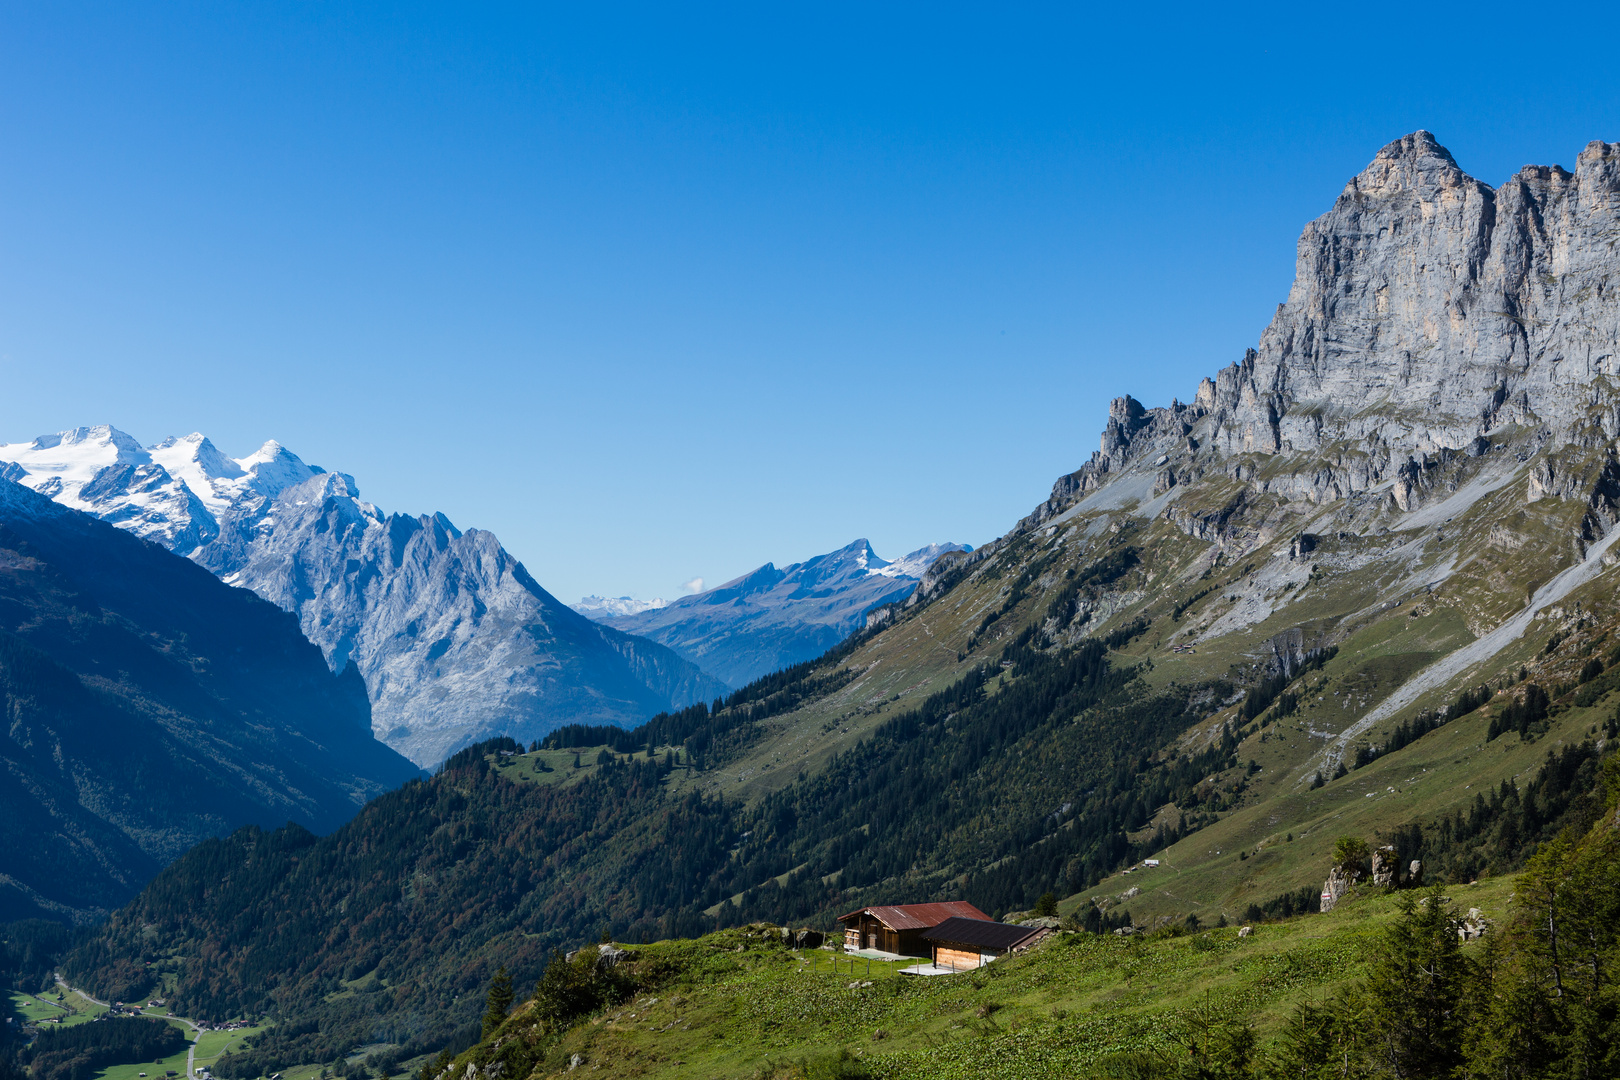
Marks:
<point>63,464</point>
<point>917,563</point>
<point>605,607</point>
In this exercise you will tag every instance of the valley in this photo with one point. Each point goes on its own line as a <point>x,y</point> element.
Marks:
<point>66,1006</point>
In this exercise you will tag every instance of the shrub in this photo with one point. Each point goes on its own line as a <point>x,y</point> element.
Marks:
<point>1350,854</point>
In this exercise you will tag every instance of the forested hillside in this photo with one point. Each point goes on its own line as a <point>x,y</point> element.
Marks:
<point>386,926</point>
<point>1481,980</point>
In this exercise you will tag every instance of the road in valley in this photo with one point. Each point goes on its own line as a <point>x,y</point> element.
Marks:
<point>196,1029</point>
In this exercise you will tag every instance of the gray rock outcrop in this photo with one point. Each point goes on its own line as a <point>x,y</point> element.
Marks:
<point>1383,867</point>
<point>1428,312</point>
<point>1337,887</point>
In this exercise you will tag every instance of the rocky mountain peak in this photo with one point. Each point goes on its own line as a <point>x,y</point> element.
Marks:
<point>1415,162</point>
<point>453,637</point>
<point>1429,315</point>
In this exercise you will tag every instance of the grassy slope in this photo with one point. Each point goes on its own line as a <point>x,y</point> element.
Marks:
<point>1364,587</point>
<point>1368,594</point>
<point>80,1010</point>
<point>1054,1012</point>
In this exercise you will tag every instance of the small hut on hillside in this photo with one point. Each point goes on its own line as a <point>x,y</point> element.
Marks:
<point>971,943</point>
<point>898,928</point>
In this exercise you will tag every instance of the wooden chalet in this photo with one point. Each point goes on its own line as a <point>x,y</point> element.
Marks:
<point>970,943</point>
<point>898,928</point>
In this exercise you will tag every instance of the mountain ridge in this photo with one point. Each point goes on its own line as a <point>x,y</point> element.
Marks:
<point>455,639</point>
<point>770,619</point>
<point>1360,328</point>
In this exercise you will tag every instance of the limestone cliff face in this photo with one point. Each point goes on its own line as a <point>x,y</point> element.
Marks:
<point>1428,312</point>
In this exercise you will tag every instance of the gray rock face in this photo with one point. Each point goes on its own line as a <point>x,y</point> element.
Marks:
<point>1383,867</point>
<point>455,640</point>
<point>770,619</point>
<point>1428,311</point>
<point>1336,887</point>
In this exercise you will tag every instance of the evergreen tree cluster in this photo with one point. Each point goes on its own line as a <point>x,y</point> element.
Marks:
<point>1285,906</point>
<point>429,887</point>
<point>1269,689</point>
<point>82,1050</point>
<point>1526,715</point>
<point>700,729</point>
<point>969,778</point>
<point>1410,731</point>
<point>1505,826</point>
<point>1539,1001</point>
<point>29,950</point>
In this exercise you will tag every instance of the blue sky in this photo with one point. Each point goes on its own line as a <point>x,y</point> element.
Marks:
<point>656,294</point>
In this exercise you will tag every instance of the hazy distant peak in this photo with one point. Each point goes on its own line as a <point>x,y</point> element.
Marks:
<point>772,617</point>
<point>609,607</point>
<point>917,562</point>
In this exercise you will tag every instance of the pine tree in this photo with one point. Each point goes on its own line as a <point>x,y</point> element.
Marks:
<point>1417,990</point>
<point>1349,854</point>
<point>499,1002</point>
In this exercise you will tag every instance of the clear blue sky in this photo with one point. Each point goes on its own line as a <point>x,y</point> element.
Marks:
<point>656,293</point>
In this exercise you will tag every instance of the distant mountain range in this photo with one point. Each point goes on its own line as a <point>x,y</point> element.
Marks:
<point>147,707</point>
<point>454,638</point>
<point>769,619</point>
<point>609,607</point>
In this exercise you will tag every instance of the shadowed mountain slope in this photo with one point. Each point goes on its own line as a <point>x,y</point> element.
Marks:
<point>454,638</point>
<point>149,706</point>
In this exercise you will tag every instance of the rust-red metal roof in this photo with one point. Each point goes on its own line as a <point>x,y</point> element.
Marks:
<point>919,916</point>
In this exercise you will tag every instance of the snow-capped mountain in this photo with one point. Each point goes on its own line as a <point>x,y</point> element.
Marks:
<point>914,565</point>
<point>768,619</point>
<point>455,640</point>
<point>174,492</point>
<point>610,607</point>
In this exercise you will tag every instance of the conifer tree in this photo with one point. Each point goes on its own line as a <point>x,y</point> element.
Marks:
<point>499,1002</point>
<point>1417,990</point>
